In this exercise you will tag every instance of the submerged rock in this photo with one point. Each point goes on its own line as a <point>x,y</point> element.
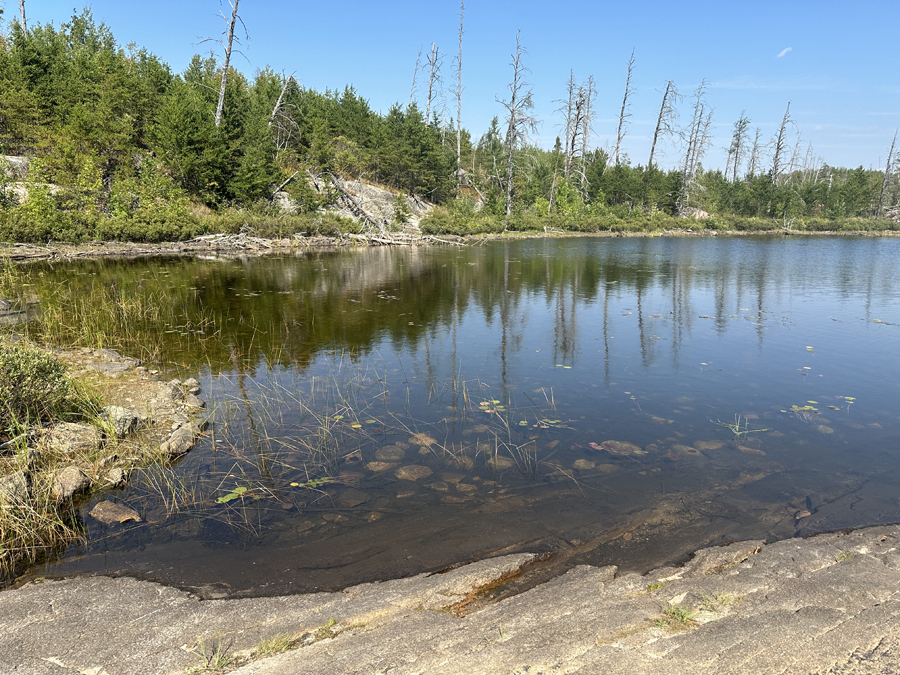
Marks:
<point>498,463</point>
<point>413,472</point>
<point>822,429</point>
<point>352,497</point>
<point>376,467</point>
<point>686,450</point>
<point>69,482</point>
<point>709,445</point>
<point>110,512</point>
<point>584,464</point>
<point>621,448</point>
<point>390,453</point>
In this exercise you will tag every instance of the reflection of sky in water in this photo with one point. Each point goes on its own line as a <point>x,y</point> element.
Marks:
<point>657,342</point>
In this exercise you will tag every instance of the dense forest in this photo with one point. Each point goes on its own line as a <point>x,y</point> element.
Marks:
<point>119,146</point>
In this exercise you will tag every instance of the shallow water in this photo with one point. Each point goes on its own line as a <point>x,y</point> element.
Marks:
<point>752,384</point>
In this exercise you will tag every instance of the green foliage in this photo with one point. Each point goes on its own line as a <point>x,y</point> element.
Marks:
<point>34,388</point>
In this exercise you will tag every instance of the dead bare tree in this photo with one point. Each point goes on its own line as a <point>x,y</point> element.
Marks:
<point>665,121</point>
<point>412,89</point>
<point>227,44</point>
<point>887,176</point>
<point>577,109</point>
<point>738,148</point>
<point>755,152</point>
<point>781,145</point>
<point>278,103</point>
<point>519,120</point>
<point>624,114</point>
<point>434,66</point>
<point>696,142</point>
<point>462,10</point>
<point>22,15</point>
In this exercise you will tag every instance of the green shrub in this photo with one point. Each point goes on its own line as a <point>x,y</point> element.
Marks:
<point>34,387</point>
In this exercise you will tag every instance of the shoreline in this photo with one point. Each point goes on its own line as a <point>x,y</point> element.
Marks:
<point>244,245</point>
<point>825,604</point>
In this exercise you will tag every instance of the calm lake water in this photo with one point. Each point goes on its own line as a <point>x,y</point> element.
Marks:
<point>615,401</point>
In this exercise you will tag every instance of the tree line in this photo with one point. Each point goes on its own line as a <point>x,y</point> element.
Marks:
<point>120,146</point>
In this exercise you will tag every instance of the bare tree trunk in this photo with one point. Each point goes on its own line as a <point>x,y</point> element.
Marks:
<point>780,146</point>
<point>462,9</point>
<point>623,114</point>
<point>519,118</point>
<point>753,166</point>
<point>230,41</point>
<point>698,138</point>
<point>434,68</point>
<point>412,89</point>
<point>666,118</point>
<point>278,103</point>
<point>887,176</point>
<point>22,14</point>
<point>738,147</point>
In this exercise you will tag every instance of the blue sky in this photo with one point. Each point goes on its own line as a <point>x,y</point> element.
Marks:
<point>837,62</point>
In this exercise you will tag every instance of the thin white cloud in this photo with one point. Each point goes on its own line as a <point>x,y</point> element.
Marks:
<point>783,52</point>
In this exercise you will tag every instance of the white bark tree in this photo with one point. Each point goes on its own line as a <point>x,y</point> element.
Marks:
<point>578,111</point>
<point>227,44</point>
<point>781,145</point>
<point>462,10</point>
<point>434,77</point>
<point>888,169</point>
<point>412,90</point>
<point>519,119</point>
<point>665,121</point>
<point>22,16</point>
<point>753,163</point>
<point>624,114</point>
<point>738,148</point>
<point>697,140</point>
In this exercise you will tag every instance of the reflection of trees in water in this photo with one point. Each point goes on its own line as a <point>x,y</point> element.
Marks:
<point>286,310</point>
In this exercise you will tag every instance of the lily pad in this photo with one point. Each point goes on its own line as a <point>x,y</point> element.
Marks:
<point>234,494</point>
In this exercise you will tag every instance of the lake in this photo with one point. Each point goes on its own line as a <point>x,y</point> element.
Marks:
<point>384,412</point>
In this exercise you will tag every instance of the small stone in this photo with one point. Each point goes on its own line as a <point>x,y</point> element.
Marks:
<point>466,487</point>
<point>607,468</point>
<point>584,464</point>
<point>110,512</point>
<point>194,402</point>
<point>628,536</point>
<point>405,494</point>
<point>123,420</point>
<point>191,383</point>
<point>439,486</point>
<point>686,450</point>
<point>116,476</point>
<point>372,517</point>
<point>179,443</point>
<point>453,499</point>
<point>194,390</point>
<point>173,390</point>
<point>390,453</point>
<point>14,488</point>
<point>412,472</point>
<point>461,462</point>
<point>802,514</point>
<point>750,451</point>
<point>69,482</point>
<point>822,429</point>
<point>334,517</point>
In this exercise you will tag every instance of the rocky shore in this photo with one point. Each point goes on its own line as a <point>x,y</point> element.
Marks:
<point>829,604</point>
